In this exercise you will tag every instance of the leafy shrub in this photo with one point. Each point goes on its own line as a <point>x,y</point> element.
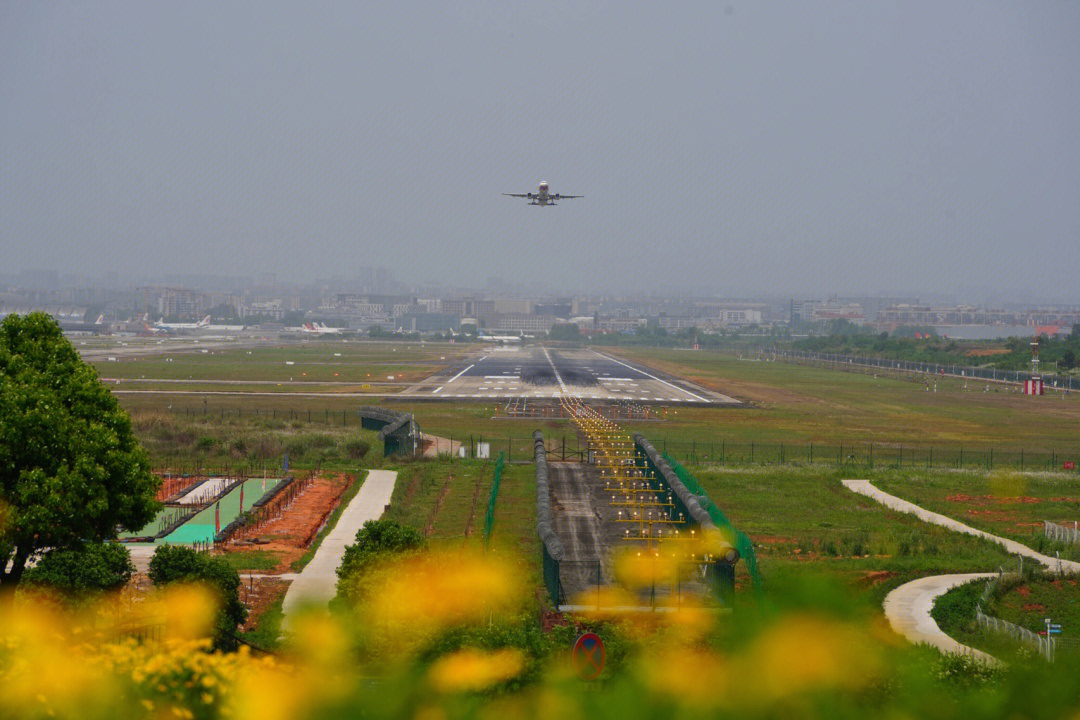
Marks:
<point>175,563</point>
<point>357,449</point>
<point>84,573</point>
<point>205,444</point>
<point>376,540</point>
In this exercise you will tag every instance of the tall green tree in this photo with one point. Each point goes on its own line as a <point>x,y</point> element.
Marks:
<point>71,470</point>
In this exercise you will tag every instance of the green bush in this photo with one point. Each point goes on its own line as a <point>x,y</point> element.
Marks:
<point>82,574</point>
<point>175,563</point>
<point>205,444</point>
<point>376,540</point>
<point>357,449</point>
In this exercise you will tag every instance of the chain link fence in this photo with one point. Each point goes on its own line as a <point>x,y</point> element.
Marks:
<point>1067,383</point>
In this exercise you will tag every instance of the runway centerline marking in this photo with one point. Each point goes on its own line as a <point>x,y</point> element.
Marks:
<point>556,371</point>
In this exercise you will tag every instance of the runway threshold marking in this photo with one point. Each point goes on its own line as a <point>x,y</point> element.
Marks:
<point>631,367</point>
<point>460,374</point>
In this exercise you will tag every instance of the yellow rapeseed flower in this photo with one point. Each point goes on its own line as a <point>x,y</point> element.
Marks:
<point>471,670</point>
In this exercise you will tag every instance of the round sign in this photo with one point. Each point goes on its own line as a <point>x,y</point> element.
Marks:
<point>588,656</point>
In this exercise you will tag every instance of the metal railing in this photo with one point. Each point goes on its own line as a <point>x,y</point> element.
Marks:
<point>1061,534</point>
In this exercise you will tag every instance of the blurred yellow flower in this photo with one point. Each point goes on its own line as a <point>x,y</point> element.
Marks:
<point>471,670</point>
<point>435,590</point>
<point>806,652</point>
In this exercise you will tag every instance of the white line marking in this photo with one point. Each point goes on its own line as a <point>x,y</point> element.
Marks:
<point>460,374</point>
<point>665,382</point>
<point>501,377</point>
<point>437,389</point>
<point>556,371</point>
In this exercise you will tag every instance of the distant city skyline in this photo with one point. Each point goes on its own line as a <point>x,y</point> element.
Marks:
<point>737,149</point>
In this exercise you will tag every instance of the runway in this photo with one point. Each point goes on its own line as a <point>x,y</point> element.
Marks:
<point>540,372</point>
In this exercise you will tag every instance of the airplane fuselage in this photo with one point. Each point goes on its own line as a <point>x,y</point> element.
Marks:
<point>542,197</point>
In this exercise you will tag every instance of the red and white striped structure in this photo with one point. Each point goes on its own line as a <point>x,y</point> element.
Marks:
<point>1034,386</point>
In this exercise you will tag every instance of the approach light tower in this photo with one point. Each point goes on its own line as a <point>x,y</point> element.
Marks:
<point>1034,386</point>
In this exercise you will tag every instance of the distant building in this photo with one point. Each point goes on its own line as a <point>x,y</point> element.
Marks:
<point>424,322</point>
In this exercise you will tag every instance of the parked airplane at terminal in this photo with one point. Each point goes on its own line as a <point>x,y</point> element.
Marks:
<point>501,339</point>
<point>319,329</point>
<point>542,196</point>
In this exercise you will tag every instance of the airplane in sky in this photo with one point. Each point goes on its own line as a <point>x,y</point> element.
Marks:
<point>542,197</point>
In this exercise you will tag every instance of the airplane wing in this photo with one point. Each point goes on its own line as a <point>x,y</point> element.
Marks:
<point>521,195</point>
<point>566,197</point>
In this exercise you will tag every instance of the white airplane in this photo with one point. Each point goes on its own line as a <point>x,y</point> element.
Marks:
<point>501,339</point>
<point>542,197</point>
<point>319,329</point>
<point>183,326</point>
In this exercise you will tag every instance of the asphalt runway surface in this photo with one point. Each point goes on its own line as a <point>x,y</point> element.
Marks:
<point>539,372</point>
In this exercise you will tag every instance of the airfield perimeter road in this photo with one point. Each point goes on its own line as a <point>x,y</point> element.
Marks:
<point>538,372</point>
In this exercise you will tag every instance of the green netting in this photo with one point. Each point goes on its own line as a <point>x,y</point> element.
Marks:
<point>489,519</point>
<point>742,542</point>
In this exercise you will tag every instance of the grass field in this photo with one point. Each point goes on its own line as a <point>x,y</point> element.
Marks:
<point>804,522</point>
<point>337,361</point>
<point>1025,601</point>
<point>1009,504</point>
<point>800,404</point>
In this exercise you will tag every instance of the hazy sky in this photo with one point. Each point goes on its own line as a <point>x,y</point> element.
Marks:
<point>788,147</point>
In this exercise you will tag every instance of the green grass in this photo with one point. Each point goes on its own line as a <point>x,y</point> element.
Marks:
<point>1025,601</point>
<point>299,564</point>
<point>354,362</point>
<point>1009,504</point>
<point>803,521</point>
<point>800,404</point>
<point>420,485</point>
<point>266,634</point>
<point>252,560</point>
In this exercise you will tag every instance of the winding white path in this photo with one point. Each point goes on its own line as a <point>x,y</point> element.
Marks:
<point>908,607</point>
<point>317,581</point>
<point>864,487</point>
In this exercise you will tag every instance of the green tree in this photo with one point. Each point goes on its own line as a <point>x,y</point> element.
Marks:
<point>176,563</point>
<point>80,574</point>
<point>71,470</point>
<point>376,540</point>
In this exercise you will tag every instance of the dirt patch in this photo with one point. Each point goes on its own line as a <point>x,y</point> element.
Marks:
<point>1023,591</point>
<point>475,499</point>
<point>998,516</point>
<point>874,577</point>
<point>986,352</point>
<point>438,505</point>
<point>1036,607</point>
<point>772,540</point>
<point>259,595</point>
<point>290,534</point>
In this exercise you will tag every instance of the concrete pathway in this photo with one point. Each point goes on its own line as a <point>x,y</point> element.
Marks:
<point>316,582</point>
<point>864,487</point>
<point>907,608</point>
